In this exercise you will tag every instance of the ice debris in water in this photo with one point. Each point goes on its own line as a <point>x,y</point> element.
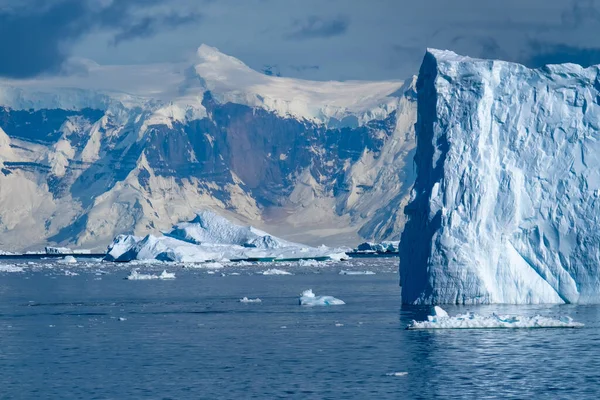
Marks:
<point>275,271</point>
<point>68,260</point>
<point>247,300</point>
<point>308,298</point>
<point>136,276</point>
<point>10,268</point>
<point>441,320</point>
<point>344,272</point>
<point>396,374</point>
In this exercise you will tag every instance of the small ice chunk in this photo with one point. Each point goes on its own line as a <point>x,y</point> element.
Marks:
<point>440,312</point>
<point>345,272</point>
<point>135,275</point>
<point>166,275</point>
<point>338,324</point>
<point>441,320</point>
<point>396,374</point>
<point>274,271</point>
<point>68,260</point>
<point>308,298</point>
<point>122,319</point>
<point>247,300</point>
<point>70,273</point>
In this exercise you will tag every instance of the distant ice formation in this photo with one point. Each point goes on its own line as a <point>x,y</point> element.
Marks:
<point>506,204</point>
<point>210,237</point>
<point>308,298</point>
<point>441,320</point>
<point>247,300</point>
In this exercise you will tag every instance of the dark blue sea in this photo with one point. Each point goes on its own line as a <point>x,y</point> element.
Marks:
<point>81,331</point>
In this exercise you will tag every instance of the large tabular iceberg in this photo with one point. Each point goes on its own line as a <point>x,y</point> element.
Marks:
<point>506,204</point>
<point>210,237</point>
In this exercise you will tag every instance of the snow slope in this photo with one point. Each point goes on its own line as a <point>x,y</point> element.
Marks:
<point>108,150</point>
<point>209,237</point>
<point>505,206</point>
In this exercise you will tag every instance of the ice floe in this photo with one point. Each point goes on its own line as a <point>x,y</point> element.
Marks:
<point>247,300</point>
<point>441,320</point>
<point>135,275</point>
<point>275,271</point>
<point>308,298</point>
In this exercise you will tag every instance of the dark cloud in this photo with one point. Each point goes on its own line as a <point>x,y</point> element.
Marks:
<point>314,27</point>
<point>36,36</point>
<point>150,26</point>
<point>550,53</point>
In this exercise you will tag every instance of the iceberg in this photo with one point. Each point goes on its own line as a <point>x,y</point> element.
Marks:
<point>308,298</point>
<point>212,238</point>
<point>385,247</point>
<point>506,203</point>
<point>441,320</point>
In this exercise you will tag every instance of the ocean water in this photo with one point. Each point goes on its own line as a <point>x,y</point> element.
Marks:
<point>95,335</point>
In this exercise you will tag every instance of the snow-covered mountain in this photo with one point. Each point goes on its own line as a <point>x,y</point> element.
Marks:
<point>506,204</point>
<point>108,150</point>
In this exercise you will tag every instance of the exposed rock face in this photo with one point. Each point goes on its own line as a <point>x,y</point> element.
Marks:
<point>315,162</point>
<point>505,206</point>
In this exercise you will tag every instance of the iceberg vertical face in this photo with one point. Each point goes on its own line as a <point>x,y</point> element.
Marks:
<point>506,204</point>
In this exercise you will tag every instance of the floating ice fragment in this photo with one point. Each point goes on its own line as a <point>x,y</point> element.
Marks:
<point>247,300</point>
<point>136,276</point>
<point>308,298</point>
<point>275,271</point>
<point>344,272</point>
<point>441,320</point>
<point>122,319</point>
<point>396,374</point>
<point>70,273</point>
<point>68,260</point>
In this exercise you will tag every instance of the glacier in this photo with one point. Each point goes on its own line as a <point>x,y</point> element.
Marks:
<point>506,204</point>
<point>135,149</point>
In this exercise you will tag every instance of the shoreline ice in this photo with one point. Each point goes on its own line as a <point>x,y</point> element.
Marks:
<point>469,320</point>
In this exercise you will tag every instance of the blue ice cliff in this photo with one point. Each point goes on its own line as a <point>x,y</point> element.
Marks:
<point>506,203</point>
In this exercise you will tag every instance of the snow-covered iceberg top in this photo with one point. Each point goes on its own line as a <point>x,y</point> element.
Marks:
<point>505,207</point>
<point>308,298</point>
<point>441,320</point>
<point>210,237</point>
<point>383,247</point>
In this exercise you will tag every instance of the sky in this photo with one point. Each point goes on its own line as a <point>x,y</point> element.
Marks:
<point>311,39</point>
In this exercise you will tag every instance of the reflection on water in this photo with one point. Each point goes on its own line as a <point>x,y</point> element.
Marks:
<point>61,337</point>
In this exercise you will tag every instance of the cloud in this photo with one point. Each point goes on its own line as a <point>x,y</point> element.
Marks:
<point>314,27</point>
<point>551,53</point>
<point>150,26</point>
<point>37,36</point>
